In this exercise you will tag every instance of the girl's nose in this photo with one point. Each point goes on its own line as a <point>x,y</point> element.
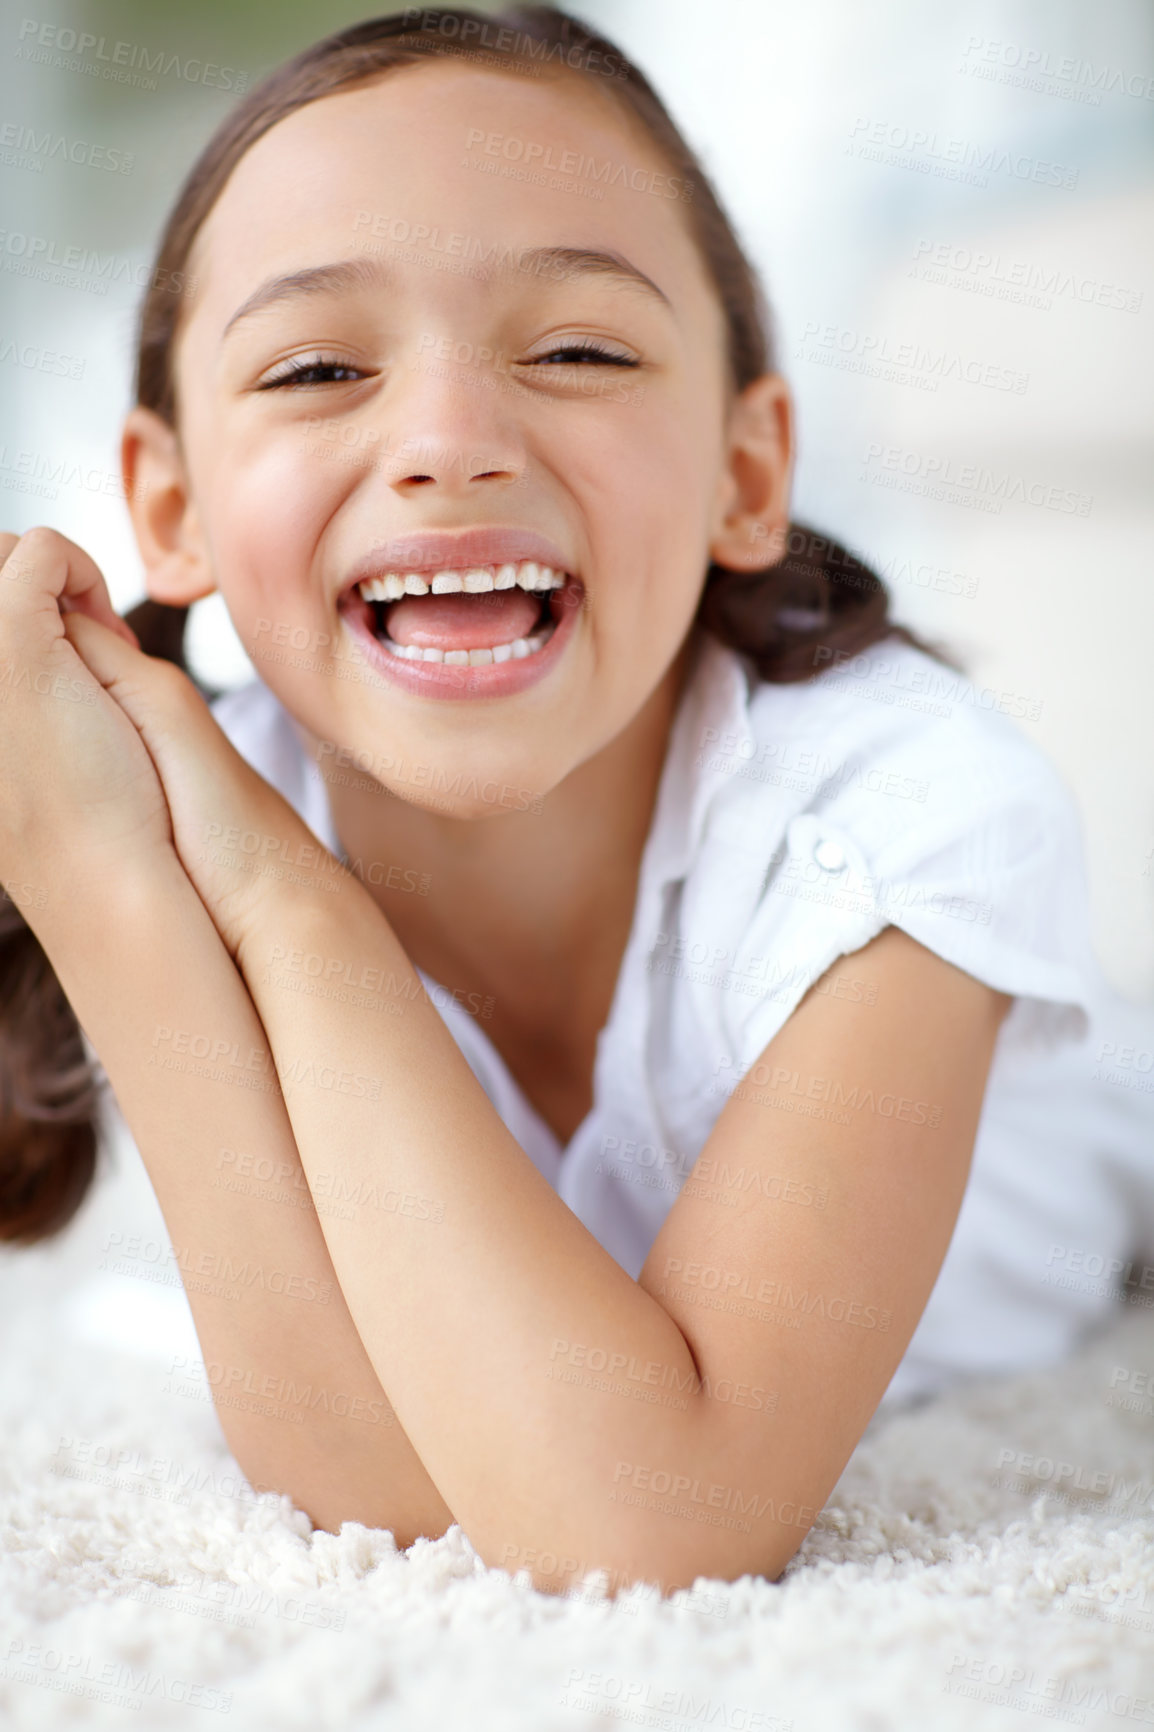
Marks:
<point>440,463</point>
<point>451,434</point>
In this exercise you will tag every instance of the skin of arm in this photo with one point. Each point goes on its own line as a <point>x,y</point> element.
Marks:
<point>85,827</point>
<point>479,1316</point>
<point>299,1402</point>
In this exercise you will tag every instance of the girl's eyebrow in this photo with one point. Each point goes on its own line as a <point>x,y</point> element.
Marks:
<point>362,273</point>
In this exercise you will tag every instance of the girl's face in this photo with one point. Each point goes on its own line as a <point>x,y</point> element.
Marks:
<point>489,356</point>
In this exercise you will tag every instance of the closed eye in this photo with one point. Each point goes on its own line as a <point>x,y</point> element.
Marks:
<point>322,370</point>
<point>299,373</point>
<point>589,353</point>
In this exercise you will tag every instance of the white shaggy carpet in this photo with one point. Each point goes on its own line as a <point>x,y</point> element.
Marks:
<point>949,1584</point>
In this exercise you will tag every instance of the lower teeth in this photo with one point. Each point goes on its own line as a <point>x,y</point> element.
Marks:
<point>476,658</point>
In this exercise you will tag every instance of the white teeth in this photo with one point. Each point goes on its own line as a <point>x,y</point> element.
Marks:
<point>475,581</point>
<point>477,658</point>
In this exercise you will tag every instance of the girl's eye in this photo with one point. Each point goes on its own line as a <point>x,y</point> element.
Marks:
<point>308,373</point>
<point>589,353</point>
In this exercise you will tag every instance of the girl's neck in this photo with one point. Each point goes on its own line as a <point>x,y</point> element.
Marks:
<point>521,898</point>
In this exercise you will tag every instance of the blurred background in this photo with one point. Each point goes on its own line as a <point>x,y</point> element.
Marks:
<point>953,209</point>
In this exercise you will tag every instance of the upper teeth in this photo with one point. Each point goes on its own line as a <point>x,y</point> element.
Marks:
<point>527,574</point>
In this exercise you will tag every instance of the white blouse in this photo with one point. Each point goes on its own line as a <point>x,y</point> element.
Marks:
<point>792,824</point>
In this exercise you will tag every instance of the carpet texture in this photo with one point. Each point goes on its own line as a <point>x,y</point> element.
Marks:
<point>985,1557</point>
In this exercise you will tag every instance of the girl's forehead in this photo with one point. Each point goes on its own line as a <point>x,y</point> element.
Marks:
<point>435,144</point>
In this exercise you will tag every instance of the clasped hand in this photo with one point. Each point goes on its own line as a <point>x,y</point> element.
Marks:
<point>111,760</point>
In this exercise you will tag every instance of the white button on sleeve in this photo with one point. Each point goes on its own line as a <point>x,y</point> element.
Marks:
<point>830,855</point>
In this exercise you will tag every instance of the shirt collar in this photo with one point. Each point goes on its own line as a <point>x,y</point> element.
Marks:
<point>714,703</point>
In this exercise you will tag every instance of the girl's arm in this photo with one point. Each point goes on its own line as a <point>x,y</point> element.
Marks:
<point>574,1417</point>
<point>162,1003</point>
<point>84,824</point>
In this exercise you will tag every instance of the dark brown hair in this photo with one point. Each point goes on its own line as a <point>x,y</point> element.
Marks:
<point>789,618</point>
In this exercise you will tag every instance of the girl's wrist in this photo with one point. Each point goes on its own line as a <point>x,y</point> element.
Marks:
<point>92,889</point>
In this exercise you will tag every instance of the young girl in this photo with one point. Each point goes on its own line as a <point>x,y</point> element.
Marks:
<point>584,964</point>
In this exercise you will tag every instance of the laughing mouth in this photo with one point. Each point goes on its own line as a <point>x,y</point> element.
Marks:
<point>497,613</point>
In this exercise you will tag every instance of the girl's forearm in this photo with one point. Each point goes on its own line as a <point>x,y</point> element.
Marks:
<point>473,1286</point>
<point>176,1031</point>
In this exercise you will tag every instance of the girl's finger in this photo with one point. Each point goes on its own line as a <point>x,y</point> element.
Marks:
<point>142,685</point>
<point>43,564</point>
<point>158,698</point>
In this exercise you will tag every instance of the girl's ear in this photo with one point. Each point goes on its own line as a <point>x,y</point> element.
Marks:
<point>752,518</point>
<point>165,521</point>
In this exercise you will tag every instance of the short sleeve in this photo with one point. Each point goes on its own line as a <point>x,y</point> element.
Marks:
<point>1001,893</point>
<point>990,878</point>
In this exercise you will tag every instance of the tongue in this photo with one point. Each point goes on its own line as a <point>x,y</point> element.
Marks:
<point>454,622</point>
